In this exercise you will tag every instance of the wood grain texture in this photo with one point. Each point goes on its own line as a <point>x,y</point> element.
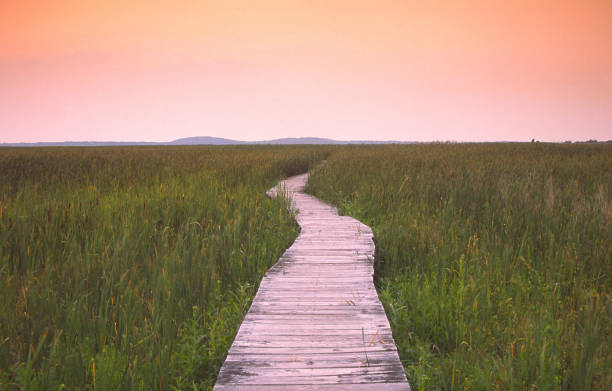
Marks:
<point>316,322</point>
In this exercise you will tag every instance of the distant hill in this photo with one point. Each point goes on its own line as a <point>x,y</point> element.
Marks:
<point>202,140</point>
<point>205,140</point>
<point>278,141</point>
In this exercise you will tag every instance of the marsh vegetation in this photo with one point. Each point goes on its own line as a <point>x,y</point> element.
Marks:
<point>131,268</point>
<point>494,262</point>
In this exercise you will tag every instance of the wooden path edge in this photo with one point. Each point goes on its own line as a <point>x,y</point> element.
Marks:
<point>316,322</point>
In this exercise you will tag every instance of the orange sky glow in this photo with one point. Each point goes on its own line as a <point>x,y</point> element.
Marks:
<point>135,70</point>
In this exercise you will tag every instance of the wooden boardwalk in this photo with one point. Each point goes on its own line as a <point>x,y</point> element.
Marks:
<point>316,322</point>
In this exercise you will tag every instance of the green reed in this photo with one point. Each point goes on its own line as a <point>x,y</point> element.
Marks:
<point>131,268</point>
<point>494,261</point>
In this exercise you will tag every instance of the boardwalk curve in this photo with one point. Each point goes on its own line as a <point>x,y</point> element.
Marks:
<point>316,322</point>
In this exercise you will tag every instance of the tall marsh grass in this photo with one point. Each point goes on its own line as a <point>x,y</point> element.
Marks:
<point>494,262</point>
<point>131,268</point>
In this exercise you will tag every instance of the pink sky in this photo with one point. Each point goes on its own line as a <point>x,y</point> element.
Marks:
<point>403,70</point>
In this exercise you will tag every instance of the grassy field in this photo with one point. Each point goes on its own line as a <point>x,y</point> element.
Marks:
<point>131,268</point>
<point>494,262</point>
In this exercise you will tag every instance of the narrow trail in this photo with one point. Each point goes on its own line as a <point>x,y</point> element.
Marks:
<point>316,322</point>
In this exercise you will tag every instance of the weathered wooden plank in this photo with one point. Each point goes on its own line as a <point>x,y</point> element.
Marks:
<point>306,332</point>
<point>319,387</point>
<point>302,276</point>
<point>287,296</point>
<point>320,300</point>
<point>308,255</point>
<point>300,364</point>
<point>317,340</point>
<point>316,322</point>
<point>281,332</point>
<point>313,325</point>
<point>314,292</point>
<point>314,306</point>
<point>400,386</point>
<point>290,306</point>
<point>313,358</point>
<point>340,280</point>
<point>354,317</point>
<point>322,327</point>
<point>337,264</point>
<point>315,352</point>
<point>349,364</point>
<point>351,312</point>
<point>360,285</point>
<point>257,368</point>
<point>383,377</point>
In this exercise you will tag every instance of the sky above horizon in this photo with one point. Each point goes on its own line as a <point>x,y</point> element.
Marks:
<point>461,70</point>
